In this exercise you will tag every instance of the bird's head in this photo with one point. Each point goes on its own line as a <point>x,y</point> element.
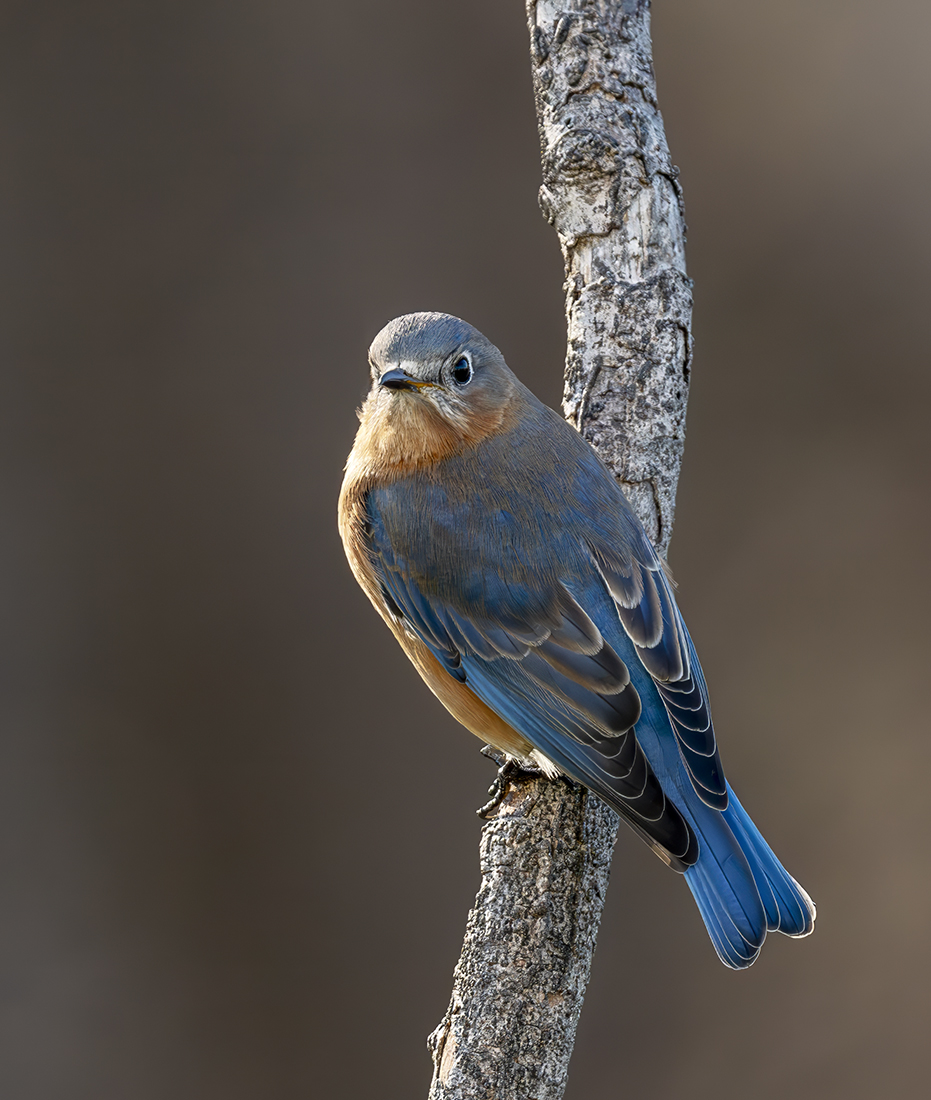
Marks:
<point>438,386</point>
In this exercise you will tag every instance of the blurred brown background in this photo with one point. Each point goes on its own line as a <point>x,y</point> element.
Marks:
<point>237,835</point>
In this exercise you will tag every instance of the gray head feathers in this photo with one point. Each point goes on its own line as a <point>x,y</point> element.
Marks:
<point>422,338</point>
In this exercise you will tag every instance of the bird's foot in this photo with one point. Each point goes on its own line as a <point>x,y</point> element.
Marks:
<point>509,769</point>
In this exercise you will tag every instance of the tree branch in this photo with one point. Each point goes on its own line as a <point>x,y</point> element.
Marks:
<point>612,194</point>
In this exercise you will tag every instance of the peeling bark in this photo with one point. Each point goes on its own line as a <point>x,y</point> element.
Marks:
<point>612,194</point>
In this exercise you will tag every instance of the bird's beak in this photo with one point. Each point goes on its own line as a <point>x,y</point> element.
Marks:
<point>398,379</point>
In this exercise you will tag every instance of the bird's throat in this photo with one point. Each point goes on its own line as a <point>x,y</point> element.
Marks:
<point>401,433</point>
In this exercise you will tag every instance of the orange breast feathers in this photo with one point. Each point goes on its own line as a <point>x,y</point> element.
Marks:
<point>458,699</point>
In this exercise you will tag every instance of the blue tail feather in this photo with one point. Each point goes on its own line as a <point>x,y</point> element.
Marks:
<point>788,908</point>
<point>741,889</point>
<point>732,946</point>
<point>725,890</point>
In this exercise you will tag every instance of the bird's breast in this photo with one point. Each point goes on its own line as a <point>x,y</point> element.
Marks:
<point>455,696</point>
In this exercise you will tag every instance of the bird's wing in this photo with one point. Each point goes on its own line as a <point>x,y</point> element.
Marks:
<point>647,609</point>
<point>531,651</point>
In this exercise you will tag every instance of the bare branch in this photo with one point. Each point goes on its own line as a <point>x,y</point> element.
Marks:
<point>612,194</point>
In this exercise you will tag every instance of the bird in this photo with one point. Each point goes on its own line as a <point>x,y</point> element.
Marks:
<point>507,562</point>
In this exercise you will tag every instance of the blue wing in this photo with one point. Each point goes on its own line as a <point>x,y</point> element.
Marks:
<point>535,653</point>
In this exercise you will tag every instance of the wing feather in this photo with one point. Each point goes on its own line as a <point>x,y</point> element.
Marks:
<point>665,649</point>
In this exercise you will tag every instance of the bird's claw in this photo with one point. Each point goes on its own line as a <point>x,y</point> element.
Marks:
<point>508,770</point>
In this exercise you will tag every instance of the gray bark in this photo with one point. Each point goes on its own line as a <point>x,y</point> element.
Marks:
<point>612,194</point>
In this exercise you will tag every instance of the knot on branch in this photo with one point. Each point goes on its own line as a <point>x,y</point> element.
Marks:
<point>581,154</point>
<point>579,195</point>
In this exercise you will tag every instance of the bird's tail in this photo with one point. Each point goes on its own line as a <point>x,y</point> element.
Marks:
<point>741,888</point>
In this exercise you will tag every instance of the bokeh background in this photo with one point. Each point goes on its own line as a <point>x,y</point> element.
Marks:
<point>237,839</point>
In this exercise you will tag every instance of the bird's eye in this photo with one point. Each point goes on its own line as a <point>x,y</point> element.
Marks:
<point>462,372</point>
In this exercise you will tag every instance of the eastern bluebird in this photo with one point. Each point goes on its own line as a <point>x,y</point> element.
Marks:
<point>507,562</point>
